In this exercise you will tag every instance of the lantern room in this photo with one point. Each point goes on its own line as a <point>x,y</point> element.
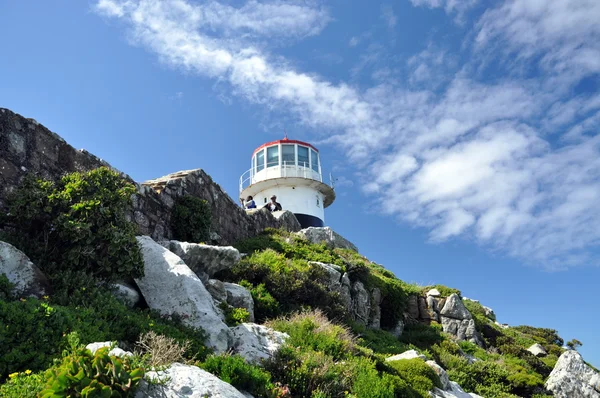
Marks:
<point>290,170</point>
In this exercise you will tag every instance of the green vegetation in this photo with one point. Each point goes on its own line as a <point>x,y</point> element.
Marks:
<point>76,224</point>
<point>83,374</point>
<point>445,291</point>
<point>191,219</point>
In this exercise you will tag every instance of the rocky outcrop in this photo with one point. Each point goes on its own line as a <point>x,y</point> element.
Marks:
<point>27,146</point>
<point>457,320</point>
<point>115,351</point>
<point>27,279</point>
<point>538,350</point>
<point>204,259</point>
<point>256,343</point>
<point>328,236</point>
<point>572,377</point>
<point>337,281</point>
<point>180,380</point>
<point>169,286</point>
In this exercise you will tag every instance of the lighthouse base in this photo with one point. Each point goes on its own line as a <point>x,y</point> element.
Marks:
<point>306,220</point>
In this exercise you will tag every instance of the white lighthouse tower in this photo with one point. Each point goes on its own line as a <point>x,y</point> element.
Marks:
<point>291,170</point>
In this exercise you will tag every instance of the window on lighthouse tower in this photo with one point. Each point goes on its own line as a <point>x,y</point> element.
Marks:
<point>302,156</point>
<point>314,157</point>
<point>288,155</point>
<point>260,160</point>
<point>272,156</point>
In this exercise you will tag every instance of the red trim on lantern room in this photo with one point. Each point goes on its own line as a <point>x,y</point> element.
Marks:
<point>284,141</point>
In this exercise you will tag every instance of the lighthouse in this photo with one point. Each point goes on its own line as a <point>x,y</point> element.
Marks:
<point>290,170</point>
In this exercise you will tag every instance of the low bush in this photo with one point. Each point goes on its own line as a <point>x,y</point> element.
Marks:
<point>422,336</point>
<point>313,330</point>
<point>234,316</point>
<point>191,219</point>
<point>233,369</point>
<point>83,374</point>
<point>417,374</point>
<point>32,335</point>
<point>379,341</point>
<point>159,350</point>
<point>445,291</point>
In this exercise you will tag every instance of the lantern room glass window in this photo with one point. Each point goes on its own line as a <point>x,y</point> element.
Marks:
<point>273,156</point>
<point>314,157</point>
<point>260,160</point>
<point>302,156</point>
<point>288,155</point>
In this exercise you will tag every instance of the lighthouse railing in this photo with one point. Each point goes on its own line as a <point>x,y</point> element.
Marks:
<point>285,170</point>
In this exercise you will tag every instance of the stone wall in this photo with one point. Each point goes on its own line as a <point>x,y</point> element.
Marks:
<point>28,147</point>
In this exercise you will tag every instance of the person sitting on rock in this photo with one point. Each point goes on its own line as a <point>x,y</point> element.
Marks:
<point>248,203</point>
<point>273,205</point>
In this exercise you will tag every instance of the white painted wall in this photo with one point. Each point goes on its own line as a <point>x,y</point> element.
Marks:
<point>297,199</point>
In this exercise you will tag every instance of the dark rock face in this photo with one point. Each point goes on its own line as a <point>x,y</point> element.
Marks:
<point>28,147</point>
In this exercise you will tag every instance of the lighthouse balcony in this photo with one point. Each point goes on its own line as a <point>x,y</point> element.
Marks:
<point>284,170</point>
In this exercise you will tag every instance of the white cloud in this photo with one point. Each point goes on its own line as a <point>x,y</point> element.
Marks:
<point>387,14</point>
<point>465,158</point>
<point>450,6</point>
<point>354,41</point>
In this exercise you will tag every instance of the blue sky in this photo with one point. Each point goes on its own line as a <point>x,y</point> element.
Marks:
<point>463,134</point>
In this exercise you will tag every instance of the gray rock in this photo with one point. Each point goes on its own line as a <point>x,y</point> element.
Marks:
<point>434,293</point>
<point>327,235</point>
<point>461,329</point>
<point>170,287</point>
<point>27,279</point>
<point>489,313</point>
<point>375,309</point>
<point>572,377</point>
<point>537,350</point>
<point>204,259</point>
<point>361,303</point>
<point>187,381</point>
<point>240,297</point>
<point>256,342</point>
<point>454,308</point>
<point>116,351</point>
<point>441,374</point>
<point>413,306</point>
<point>434,310</point>
<point>126,294</point>
<point>423,310</point>
<point>216,288</point>
<point>410,354</point>
<point>455,392</point>
<point>398,329</point>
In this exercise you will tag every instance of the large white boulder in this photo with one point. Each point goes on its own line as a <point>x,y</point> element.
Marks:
<point>185,381</point>
<point>410,354</point>
<point>170,287</point>
<point>572,377</point>
<point>256,342</point>
<point>27,279</point>
<point>450,389</point>
<point>454,308</point>
<point>204,259</point>
<point>537,350</point>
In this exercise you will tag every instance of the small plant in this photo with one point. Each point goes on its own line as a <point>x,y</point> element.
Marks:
<point>6,288</point>
<point>191,219</point>
<point>83,374</point>
<point>234,316</point>
<point>574,344</point>
<point>159,350</point>
<point>22,385</point>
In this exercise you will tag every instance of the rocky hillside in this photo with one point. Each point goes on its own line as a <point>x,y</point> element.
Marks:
<point>109,288</point>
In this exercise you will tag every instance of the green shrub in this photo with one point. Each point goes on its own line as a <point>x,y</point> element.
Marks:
<point>233,369</point>
<point>313,330</point>
<point>445,291</point>
<point>77,223</point>
<point>422,336</point>
<point>191,219</point>
<point>32,329</point>
<point>291,282</point>
<point>482,377</point>
<point>417,374</point>
<point>6,288</point>
<point>265,306</point>
<point>83,374</point>
<point>378,340</point>
<point>22,385</point>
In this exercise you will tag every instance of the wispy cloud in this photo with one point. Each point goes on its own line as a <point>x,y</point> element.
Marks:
<point>387,14</point>
<point>505,161</point>
<point>458,7</point>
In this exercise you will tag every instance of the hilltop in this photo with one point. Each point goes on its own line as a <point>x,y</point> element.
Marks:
<point>168,288</point>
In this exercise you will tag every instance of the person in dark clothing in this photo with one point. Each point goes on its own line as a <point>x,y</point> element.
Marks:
<point>248,203</point>
<point>273,205</point>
